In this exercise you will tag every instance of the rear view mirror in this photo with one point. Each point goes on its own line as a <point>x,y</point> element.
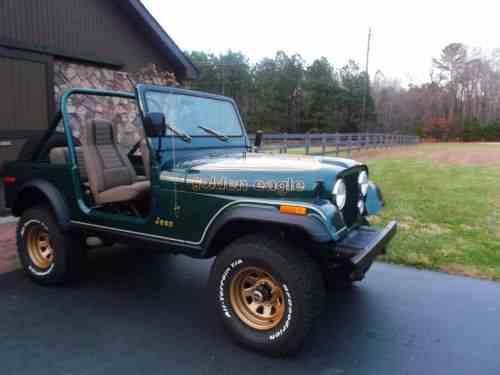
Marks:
<point>154,125</point>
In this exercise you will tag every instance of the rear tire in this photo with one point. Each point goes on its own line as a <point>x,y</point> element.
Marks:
<point>267,293</point>
<point>49,255</point>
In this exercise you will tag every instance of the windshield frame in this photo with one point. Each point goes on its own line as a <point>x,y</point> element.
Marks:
<point>143,90</point>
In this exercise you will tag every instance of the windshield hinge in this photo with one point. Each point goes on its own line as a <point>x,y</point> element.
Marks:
<point>177,211</point>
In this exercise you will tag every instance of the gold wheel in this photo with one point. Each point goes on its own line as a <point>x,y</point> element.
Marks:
<point>257,299</point>
<point>39,247</point>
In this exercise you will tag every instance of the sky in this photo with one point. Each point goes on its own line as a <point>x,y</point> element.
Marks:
<point>406,34</point>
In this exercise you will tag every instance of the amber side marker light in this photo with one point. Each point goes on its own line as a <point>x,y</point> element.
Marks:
<point>9,180</point>
<point>293,210</point>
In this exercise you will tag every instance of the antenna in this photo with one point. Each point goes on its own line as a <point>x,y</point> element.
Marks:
<point>174,162</point>
<point>367,86</point>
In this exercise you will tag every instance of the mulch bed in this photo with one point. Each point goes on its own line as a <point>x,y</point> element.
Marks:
<point>8,252</point>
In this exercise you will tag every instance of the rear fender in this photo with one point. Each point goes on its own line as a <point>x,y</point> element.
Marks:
<point>34,192</point>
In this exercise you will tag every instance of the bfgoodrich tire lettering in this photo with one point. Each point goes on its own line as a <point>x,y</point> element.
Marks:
<point>294,273</point>
<point>48,254</point>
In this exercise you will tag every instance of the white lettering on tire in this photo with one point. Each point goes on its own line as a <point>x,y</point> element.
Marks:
<point>222,296</point>
<point>227,311</point>
<point>286,325</point>
<point>39,273</point>
<point>32,221</point>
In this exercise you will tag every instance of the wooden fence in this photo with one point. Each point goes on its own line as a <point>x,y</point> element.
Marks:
<point>329,143</point>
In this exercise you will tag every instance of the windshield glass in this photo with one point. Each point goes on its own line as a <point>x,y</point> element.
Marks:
<point>187,113</point>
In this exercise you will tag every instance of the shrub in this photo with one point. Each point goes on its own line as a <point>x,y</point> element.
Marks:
<point>491,132</point>
<point>472,131</point>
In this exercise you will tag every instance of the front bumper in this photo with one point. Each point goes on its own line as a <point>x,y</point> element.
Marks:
<point>364,244</point>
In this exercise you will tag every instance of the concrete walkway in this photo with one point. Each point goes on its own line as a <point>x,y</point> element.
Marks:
<point>8,252</point>
<point>7,220</point>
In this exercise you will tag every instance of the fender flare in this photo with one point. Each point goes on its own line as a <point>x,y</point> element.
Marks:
<point>53,196</point>
<point>310,224</point>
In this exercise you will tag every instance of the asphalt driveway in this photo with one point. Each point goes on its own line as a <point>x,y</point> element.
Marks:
<point>149,315</point>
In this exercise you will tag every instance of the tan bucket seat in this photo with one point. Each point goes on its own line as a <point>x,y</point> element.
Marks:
<point>60,155</point>
<point>112,177</point>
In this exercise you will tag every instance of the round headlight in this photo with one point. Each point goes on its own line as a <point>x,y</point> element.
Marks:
<point>361,207</point>
<point>363,182</point>
<point>340,194</point>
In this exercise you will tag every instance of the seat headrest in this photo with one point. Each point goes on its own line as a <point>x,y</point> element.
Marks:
<point>59,155</point>
<point>100,133</point>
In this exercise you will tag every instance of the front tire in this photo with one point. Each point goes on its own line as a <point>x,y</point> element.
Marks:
<point>49,255</point>
<point>267,293</point>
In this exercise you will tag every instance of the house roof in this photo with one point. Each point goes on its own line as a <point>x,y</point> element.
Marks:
<point>182,65</point>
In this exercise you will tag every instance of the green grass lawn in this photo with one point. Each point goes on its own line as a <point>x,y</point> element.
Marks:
<point>449,214</point>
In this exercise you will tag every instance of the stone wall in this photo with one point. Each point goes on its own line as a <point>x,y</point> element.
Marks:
<point>122,112</point>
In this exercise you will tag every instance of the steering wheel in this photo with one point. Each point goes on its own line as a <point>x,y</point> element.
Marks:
<point>134,149</point>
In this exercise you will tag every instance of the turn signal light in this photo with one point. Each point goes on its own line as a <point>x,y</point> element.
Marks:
<point>293,210</point>
<point>9,180</point>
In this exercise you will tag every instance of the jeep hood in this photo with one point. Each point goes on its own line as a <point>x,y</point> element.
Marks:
<point>266,163</point>
<point>263,175</point>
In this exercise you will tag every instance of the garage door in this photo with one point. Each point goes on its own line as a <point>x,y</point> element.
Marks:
<point>25,100</point>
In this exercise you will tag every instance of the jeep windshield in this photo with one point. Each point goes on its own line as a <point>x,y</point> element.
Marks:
<point>195,115</point>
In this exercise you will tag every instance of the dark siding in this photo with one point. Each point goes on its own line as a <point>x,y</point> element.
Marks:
<point>25,101</point>
<point>23,97</point>
<point>93,30</point>
<point>26,88</point>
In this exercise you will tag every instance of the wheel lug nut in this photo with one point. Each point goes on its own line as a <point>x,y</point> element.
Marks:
<point>257,296</point>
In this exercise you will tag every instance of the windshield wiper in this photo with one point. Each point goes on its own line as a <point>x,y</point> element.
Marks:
<point>222,137</point>
<point>185,137</point>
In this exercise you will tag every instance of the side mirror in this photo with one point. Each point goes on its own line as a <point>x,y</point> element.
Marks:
<point>258,138</point>
<point>154,125</point>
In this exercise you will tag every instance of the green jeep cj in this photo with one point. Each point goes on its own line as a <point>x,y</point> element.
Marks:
<point>281,228</point>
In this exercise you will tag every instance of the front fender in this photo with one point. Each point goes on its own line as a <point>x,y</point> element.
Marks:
<point>310,224</point>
